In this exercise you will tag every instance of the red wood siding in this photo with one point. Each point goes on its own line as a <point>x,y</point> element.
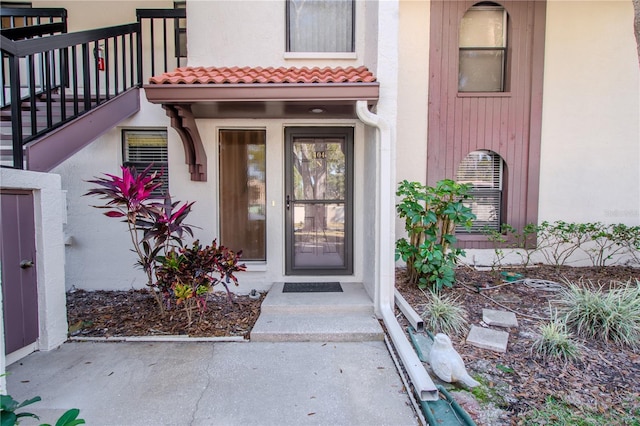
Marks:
<point>507,123</point>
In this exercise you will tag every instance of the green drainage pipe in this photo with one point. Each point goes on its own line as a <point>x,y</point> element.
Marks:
<point>445,411</point>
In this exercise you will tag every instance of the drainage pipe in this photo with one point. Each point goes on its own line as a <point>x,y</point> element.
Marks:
<point>385,274</point>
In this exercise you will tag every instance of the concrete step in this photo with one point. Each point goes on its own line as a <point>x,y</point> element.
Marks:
<point>352,299</point>
<point>316,327</point>
<point>346,316</point>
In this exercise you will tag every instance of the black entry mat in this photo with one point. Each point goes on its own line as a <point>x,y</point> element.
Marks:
<point>331,287</point>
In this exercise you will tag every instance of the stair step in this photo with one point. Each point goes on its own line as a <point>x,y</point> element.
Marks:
<point>346,316</point>
<point>329,327</point>
<point>353,299</point>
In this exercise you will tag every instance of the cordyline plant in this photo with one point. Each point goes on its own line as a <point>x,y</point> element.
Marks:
<point>155,226</point>
<point>431,215</point>
<point>188,274</point>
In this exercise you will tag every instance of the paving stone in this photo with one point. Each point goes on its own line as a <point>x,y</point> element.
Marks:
<point>487,338</point>
<point>499,318</point>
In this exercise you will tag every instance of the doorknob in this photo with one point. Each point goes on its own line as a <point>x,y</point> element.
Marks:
<point>26,264</point>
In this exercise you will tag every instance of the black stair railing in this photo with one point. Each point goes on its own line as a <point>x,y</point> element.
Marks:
<point>18,24</point>
<point>50,77</point>
<point>81,71</point>
<point>164,35</point>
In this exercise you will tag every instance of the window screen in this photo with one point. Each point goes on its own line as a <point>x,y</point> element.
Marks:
<point>144,147</point>
<point>320,25</point>
<point>483,170</point>
<point>483,47</point>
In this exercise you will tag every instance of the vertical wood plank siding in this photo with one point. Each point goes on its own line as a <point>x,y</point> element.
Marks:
<point>507,123</point>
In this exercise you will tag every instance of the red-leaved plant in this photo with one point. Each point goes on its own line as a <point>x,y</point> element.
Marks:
<point>188,274</point>
<point>155,226</point>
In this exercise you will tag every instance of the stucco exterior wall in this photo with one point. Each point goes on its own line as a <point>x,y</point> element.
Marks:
<point>590,165</point>
<point>91,14</point>
<point>252,33</point>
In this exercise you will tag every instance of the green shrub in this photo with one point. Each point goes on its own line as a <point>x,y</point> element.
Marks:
<point>612,315</point>
<point>556,342</point>
<point>431,215</point>
<point>443,314</point>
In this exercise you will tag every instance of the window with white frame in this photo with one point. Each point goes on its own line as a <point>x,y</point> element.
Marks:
<point>483,49</point>
<point>320,25</point>
<point>483,170</point>
<point>144,147</point>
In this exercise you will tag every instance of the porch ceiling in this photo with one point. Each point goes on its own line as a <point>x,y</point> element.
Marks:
<point>198,92</point>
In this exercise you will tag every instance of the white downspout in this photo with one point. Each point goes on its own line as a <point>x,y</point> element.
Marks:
<point>385,275</point>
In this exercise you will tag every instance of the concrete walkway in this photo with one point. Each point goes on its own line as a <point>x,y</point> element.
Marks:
<point>257,383</point>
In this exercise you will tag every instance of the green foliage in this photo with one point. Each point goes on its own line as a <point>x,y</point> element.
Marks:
<point>188,274</point>
<point>609,240</point>
<point>556,342</point>
<point>155,227</point>
<point>509,237</point>
<point>559,240</point>
<point>431,215</point>
<point>613,315</point>
<point>443,314</point>
<point>559,413</point>
<point>9,416</point>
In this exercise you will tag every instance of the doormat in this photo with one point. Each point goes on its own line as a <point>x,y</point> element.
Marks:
<point>330,287</point>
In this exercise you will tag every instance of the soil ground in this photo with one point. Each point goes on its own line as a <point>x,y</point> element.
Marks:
<point>604,379</point>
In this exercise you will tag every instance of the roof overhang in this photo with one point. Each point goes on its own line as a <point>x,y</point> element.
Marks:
<point>184,103</point>
<point>270,100</point>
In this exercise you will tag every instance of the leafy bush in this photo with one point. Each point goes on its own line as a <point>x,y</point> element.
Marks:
<point>443,314</point>
<point>512,238</point>
<point>188,274</point>
<point>613,315</point>
<point>155,227</point>
<point>559,240</point>
<point>556,342</point>
<point>431,215</point>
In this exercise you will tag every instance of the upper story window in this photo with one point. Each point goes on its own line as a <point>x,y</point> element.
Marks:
<point>320,25</point>
<point>483,49</point>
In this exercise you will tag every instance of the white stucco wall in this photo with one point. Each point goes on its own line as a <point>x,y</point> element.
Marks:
<point>252,33</point>
<point>590,165</point>
<point>91,14</point>
<point>49,216</point>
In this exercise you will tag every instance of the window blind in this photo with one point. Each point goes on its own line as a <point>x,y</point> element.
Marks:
<point>142,148</point>
<point>483,171</point>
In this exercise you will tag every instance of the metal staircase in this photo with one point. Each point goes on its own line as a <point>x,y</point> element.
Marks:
<point>63,90</point>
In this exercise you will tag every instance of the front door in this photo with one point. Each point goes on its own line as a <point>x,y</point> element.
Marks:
<point>319,200</point>
<point>19,285</point>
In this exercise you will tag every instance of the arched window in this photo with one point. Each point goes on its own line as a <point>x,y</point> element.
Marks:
<point>483,49</point>
<point>484,171</point>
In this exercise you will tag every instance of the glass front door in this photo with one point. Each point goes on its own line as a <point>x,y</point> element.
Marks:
<point>319,201</point>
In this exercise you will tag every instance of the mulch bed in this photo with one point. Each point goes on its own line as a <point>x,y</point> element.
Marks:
<point>603,377</point>
<point>136,313</point>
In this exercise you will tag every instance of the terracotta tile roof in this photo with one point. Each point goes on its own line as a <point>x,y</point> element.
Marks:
<point>249,75</point>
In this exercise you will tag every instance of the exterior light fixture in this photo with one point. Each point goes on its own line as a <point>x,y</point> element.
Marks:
<point>318,110</point>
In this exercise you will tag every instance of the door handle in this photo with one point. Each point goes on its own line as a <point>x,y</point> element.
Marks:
<point>288,202</point>
<point>26,264</point>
